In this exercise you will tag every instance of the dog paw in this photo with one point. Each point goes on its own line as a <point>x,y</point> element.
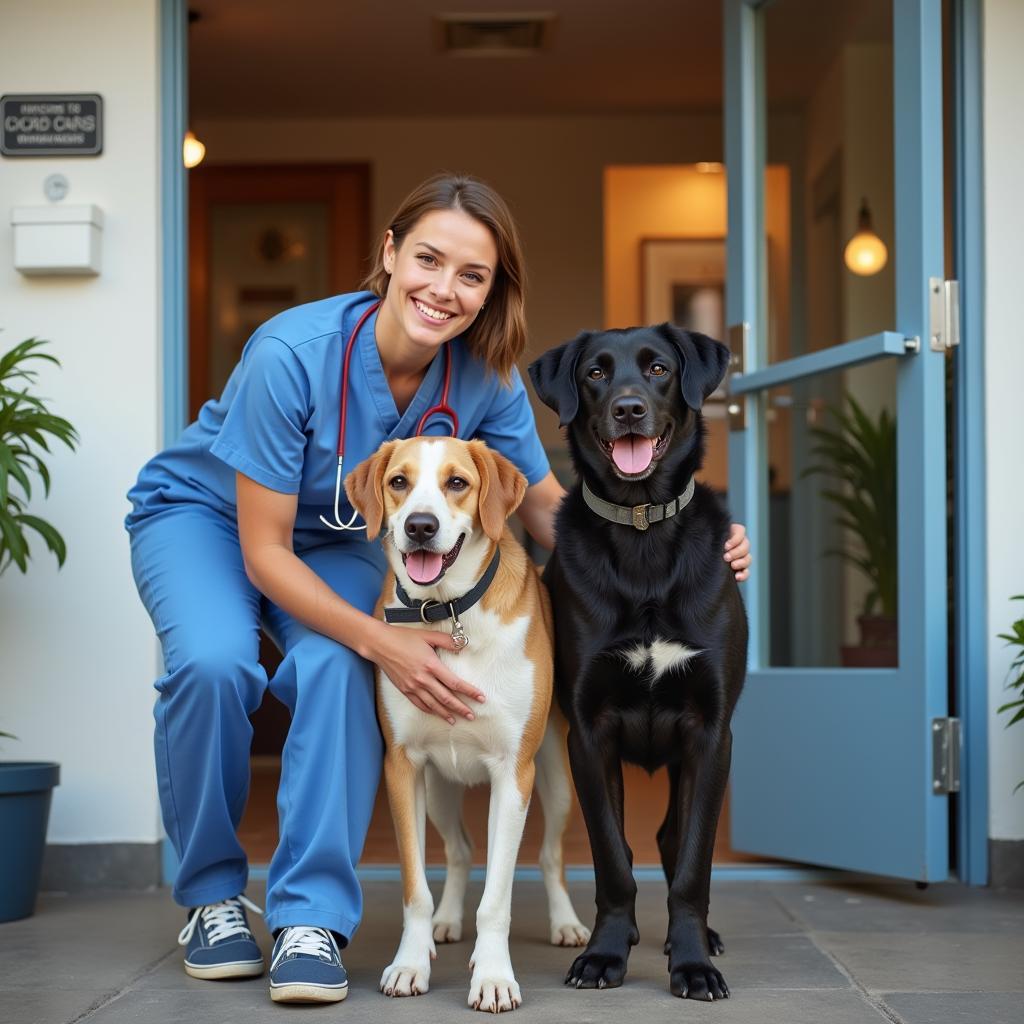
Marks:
<point>570,933</point>
<point>715,944</point>
<point>447,931</point>
<point>700,981</point>
<point>597,970</point>
<point>494,994</point>
<point>405,980</point>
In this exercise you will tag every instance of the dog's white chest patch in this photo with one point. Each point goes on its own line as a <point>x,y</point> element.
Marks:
<point>495,662</point>
<point>658,657</point>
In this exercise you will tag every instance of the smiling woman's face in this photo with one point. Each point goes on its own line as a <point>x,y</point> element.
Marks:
<point>441,275</point>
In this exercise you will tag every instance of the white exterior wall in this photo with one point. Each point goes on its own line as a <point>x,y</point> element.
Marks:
<point>77,651</point>
<point>1004,375</point>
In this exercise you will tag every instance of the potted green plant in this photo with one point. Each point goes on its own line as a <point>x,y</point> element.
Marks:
<point>859,453</point>
<point>25,786</point>
<point>1016,639</point>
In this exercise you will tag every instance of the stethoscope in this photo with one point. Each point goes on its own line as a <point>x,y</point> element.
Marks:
<point>441,409</point>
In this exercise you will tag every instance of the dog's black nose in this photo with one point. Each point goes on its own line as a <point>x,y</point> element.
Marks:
<point>421,527</point>
<point>629,409</point>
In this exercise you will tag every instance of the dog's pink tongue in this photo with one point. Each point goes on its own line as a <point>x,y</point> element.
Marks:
<point>633,453</point>
<point>423,566</point>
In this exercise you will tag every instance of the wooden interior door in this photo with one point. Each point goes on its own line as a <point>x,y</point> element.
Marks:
<point>261,239</point>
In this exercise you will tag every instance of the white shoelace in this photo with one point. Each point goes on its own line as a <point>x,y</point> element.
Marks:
<point>222,920</point>
<point>298,939</point>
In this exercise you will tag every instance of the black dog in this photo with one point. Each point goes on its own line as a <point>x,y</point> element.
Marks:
<point>650,632</point>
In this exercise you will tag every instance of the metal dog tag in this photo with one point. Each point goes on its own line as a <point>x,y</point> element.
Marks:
<point>640,520</point>
<point>458,633</point>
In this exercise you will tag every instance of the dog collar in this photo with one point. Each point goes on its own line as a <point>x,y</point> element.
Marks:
<point>430,610</point>
<point>639,517</point>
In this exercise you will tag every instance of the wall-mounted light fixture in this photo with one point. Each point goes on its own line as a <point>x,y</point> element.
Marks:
<point>865,253</point>
<point>192,151</point>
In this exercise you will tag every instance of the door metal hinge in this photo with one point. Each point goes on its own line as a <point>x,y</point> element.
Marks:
<point>943,314</point>
<point>946,739</point>
<point>736,405</point>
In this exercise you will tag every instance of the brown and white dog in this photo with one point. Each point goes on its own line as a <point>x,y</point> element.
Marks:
<point>443,504</point>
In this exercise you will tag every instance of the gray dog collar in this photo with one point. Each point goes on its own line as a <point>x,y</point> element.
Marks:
<point>638,516</point>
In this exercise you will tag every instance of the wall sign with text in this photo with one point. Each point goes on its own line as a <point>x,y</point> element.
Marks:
<point>53,124</point>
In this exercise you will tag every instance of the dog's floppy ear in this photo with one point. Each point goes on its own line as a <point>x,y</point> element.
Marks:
<point>554,378</point>
<point>502,488</point>
<point>704,363</point>
<point>365,488</point>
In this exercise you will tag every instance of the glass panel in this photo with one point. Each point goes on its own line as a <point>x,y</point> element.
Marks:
<point>264,257</point>
<point>832,519</point>
<point>829,151</point>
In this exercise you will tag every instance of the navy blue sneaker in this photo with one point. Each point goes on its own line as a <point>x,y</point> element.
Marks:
<point>306,967</point>
<point>219,941</point>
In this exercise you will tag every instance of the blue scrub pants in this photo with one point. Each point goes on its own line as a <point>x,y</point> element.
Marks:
<point>188,567</point>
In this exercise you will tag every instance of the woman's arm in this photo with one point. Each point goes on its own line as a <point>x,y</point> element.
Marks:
<point>266,519</point>
<point>539,507</point>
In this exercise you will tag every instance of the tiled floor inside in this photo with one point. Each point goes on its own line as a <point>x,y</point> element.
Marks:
<point>821,953</point>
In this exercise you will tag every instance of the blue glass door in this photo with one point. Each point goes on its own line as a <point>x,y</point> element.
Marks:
<point>837,452</point>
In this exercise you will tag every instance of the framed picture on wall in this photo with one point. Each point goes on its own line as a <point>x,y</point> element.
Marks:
<point>682,280</point>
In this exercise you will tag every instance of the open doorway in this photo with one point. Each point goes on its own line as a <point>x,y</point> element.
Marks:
<point>541,126</point>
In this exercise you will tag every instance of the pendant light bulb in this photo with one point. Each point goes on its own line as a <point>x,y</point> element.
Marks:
<point>865,254</point>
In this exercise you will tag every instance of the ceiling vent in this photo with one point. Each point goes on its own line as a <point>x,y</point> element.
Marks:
<point>493,35</point>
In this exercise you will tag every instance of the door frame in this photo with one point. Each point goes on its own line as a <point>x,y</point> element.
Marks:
<point>971,619</point>
<point>173,397</point>
<point>970,551</point>
<point>173,215</point>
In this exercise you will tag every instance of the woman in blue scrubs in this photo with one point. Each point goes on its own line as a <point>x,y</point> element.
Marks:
<point>232,527</point>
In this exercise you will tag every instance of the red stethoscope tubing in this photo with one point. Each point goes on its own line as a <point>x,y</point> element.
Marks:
<point>441,409</point>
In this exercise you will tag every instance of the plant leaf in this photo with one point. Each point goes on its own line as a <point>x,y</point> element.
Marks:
<point>10,465</point>
<point>1016,718</point>
<point>26,430</point>
<point>861,453</point>
<point>54,541</point>
<point>12,543</point>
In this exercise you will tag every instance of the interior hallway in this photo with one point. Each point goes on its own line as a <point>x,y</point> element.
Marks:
<point>646,799</point>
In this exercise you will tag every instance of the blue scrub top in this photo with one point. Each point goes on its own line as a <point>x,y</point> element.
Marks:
<point>277,420</point>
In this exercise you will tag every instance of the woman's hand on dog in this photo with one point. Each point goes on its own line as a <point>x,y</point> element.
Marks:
<point>409,660</point>
<point>737,551</point>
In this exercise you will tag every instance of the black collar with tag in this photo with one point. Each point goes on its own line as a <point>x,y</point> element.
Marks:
<point>430,610</point>
<point>639,517</point>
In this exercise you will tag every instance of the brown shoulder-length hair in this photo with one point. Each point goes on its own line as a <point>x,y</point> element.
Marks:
<point>498,335</point>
